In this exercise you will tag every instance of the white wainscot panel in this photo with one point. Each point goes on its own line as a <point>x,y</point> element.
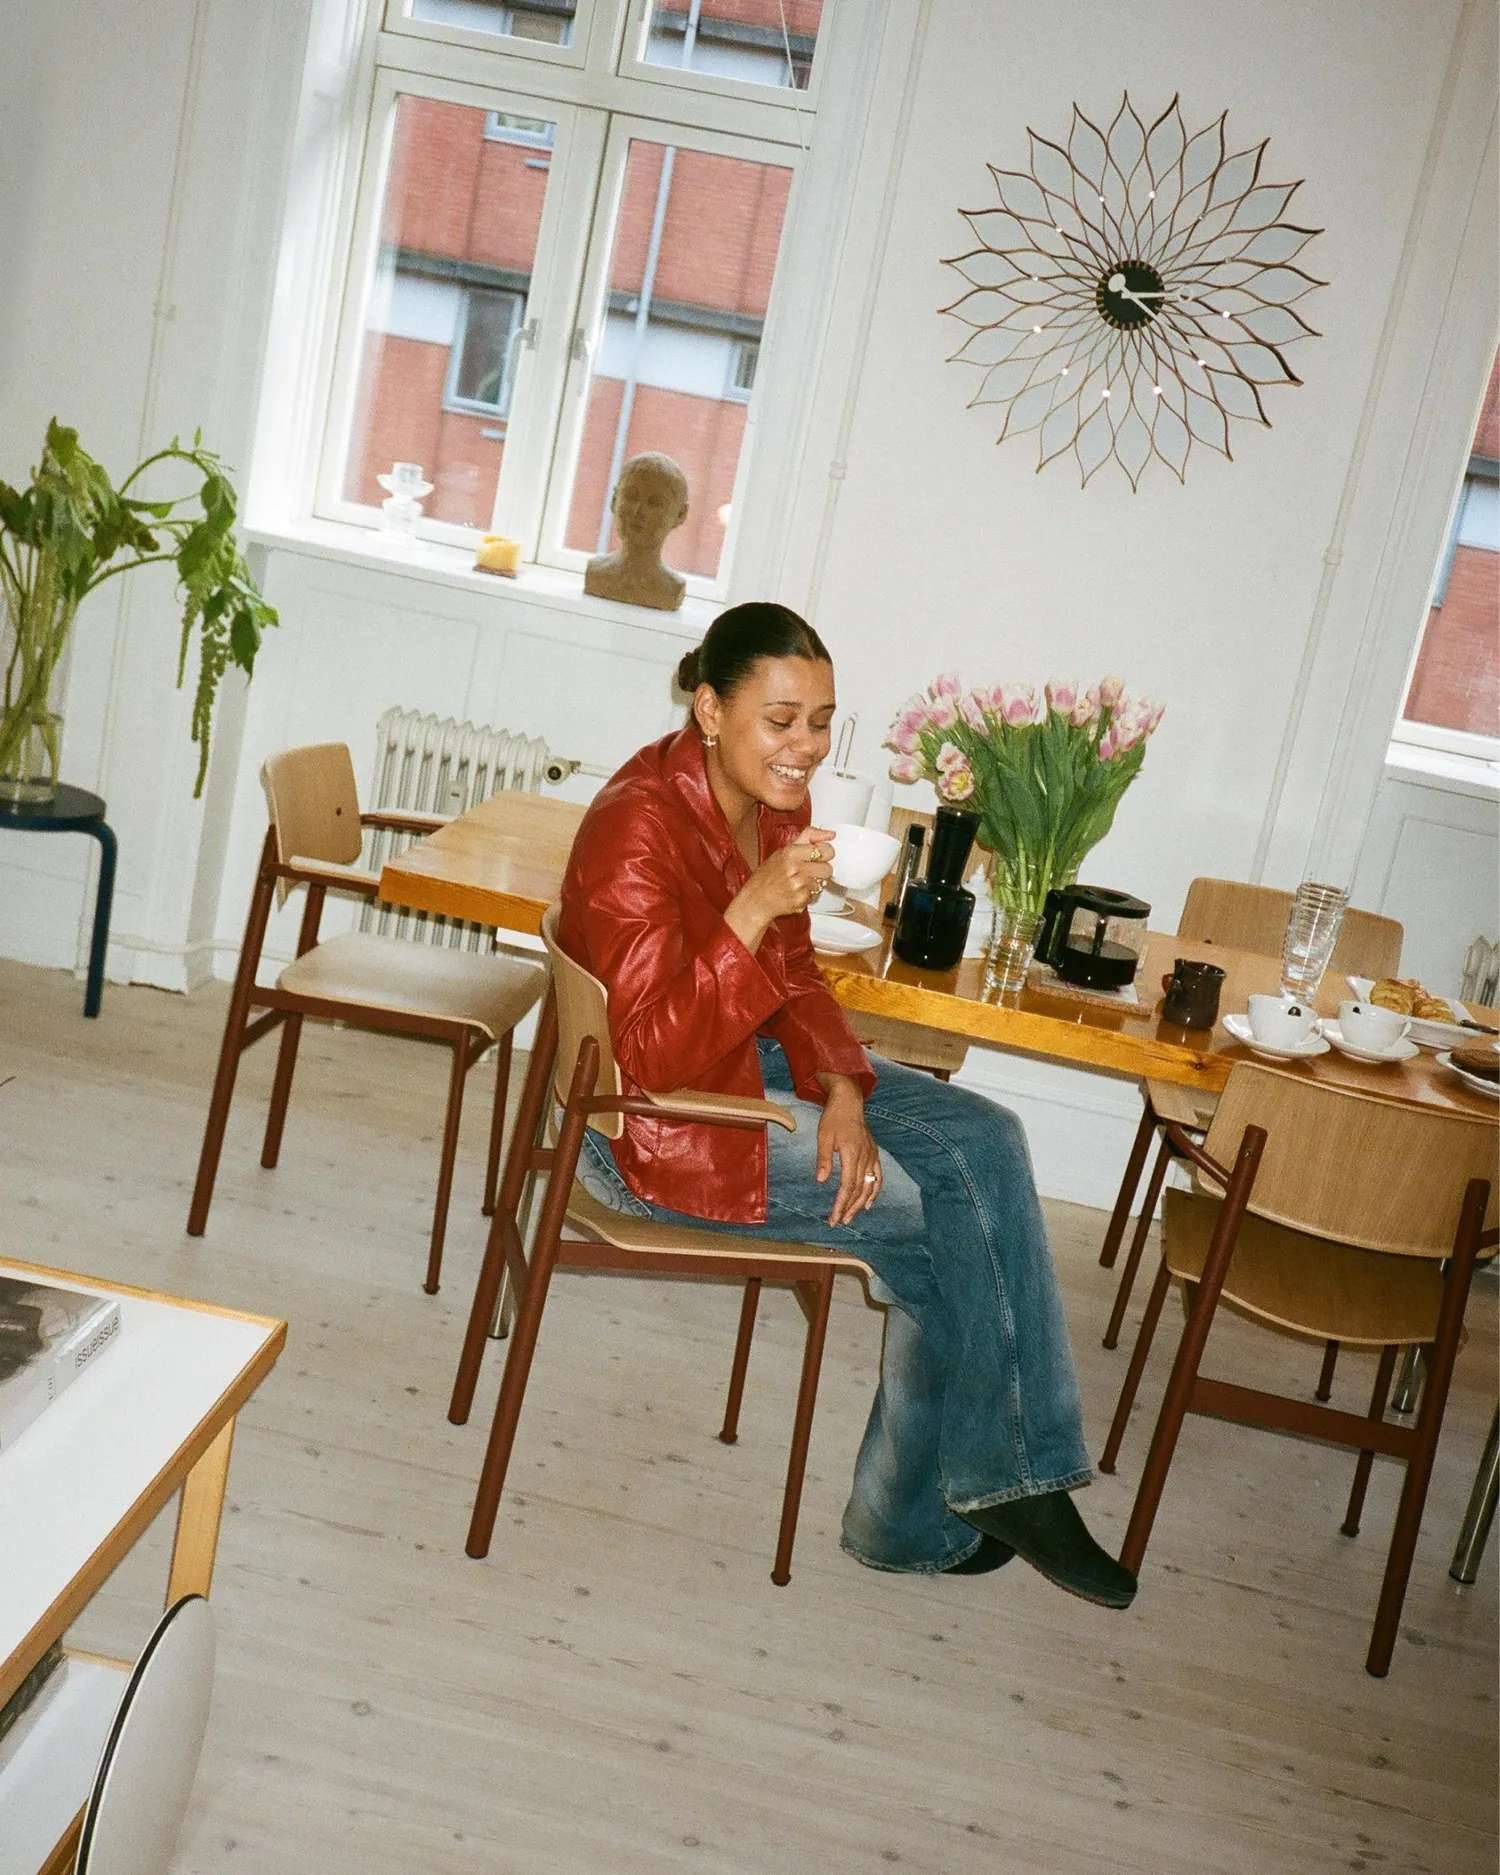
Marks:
<point>1431,857</point>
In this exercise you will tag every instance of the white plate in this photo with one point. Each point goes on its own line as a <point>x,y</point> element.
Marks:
<point>1426,1034</point>
<point>1239,1028</point>
<point>1470,1080</point>
<point>1398,1050</point>
<point>834,935</point>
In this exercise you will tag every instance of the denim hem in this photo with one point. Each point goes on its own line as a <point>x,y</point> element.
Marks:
<point>1070,1482</point>
<point>950,1561</point>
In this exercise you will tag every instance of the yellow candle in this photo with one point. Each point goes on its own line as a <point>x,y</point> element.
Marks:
<point>498,555</point>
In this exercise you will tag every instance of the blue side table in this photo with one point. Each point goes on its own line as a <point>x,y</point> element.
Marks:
<point>75,810</point>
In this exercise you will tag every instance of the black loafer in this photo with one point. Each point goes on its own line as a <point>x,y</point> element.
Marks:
<point>991,1554</point>
<point>1048,1532</point>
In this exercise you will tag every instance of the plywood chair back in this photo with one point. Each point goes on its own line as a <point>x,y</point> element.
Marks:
<point>314,805</point>
<point>1253,918</point>
<point>582,1010</point>
<point>1354,1167</point>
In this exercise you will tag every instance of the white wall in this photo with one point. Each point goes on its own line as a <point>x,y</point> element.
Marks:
<point>1270,601</point>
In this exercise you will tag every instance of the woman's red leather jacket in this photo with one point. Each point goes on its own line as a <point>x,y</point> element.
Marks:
<point>652,871</point>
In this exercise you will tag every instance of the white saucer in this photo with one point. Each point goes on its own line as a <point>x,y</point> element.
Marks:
<point>1401,1050</point>
<point>1239,1028</point>
<point>1470,1080</point>
<point>834,936</point>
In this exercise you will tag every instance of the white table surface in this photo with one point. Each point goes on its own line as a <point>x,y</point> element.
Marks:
<point>76,1472</point>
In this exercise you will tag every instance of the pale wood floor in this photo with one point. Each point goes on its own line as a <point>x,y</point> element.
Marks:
<point>619,1688</point>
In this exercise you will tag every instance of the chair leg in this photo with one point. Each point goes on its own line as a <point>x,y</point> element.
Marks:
<point>281,1090</point>
<point>1137,1245</point>
<point>1134,1165</point>
<point>748,1306</point>
<point>821,1294</point>
<point>529,1315</point>
<point>232,1045</point>
<point>1179,1393</point>
<point>1480,1514</point>
<point>1324,1389</point>
<point>497,1121</point>
<point>457,1075</point>
<point>1439,1364</point>
<point>1366,1459</point>
<point>1136,1368</point>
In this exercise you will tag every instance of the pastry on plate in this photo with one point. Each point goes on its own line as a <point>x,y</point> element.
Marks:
<point>1431,1008</point>
<point>1397,993</point>
<point>1482,1063</point>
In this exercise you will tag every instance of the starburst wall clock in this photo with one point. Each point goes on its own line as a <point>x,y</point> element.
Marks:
<point>1133,294</point>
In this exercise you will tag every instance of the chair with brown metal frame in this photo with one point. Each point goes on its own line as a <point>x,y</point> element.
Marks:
<point>1246,918</point>
<point>573,1066</point>
<point>468,1003</point>
<point>1333,1214</point>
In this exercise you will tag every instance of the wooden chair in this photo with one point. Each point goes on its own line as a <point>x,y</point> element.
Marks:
<point>573,1053</point>
<point>1246,918</point>
<point>907,1042</point>
<point>1336,1215</point>
<point>469,1003</point>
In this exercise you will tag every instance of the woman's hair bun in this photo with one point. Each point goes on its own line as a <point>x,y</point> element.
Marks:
<point>688,672</point>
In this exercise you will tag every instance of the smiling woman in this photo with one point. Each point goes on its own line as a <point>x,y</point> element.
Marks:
<point>686,895</point>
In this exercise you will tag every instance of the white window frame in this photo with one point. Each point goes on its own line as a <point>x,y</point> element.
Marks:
<point>453,399</point>
<point>308,414</point>
<point>1408,732</point>
<point>733,390</point>
<point>593,310</point>
<point>400,19</point>
<point>789,98</point>
<point>542,345</point>
<point>495,132</point>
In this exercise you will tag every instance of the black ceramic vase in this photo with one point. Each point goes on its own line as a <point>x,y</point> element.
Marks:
<point>936,911</point>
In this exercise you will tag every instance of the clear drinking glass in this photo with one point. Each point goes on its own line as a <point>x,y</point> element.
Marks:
<point>1311,933</point>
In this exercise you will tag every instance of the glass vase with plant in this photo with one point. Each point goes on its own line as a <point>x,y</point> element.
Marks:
<point>1044,777</point>
<point>68,531</point>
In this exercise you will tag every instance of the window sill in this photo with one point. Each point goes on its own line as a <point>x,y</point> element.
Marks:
<point>1435,768</point>
<point>436,563</point>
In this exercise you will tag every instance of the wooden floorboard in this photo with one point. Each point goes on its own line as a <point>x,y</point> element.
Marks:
<point>619,1688</point>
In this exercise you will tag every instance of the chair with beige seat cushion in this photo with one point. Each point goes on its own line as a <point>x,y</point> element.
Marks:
<point>1244,918</point>
<point>468,1003</point>
<point>1339,1216</point>
<point>573,1069</point>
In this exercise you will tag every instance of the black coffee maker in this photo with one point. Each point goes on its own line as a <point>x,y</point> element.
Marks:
<point>936,910</point>
<point>1092,936</point>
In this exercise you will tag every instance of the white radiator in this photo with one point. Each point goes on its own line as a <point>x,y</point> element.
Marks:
<point>429,764</point>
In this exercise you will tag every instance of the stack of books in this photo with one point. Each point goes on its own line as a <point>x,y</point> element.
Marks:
<point>48,1336</point>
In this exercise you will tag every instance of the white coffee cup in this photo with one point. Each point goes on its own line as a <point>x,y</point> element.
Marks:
<point>862,856</point>
<point>1366,1025</point>
<point>1280,1023</point>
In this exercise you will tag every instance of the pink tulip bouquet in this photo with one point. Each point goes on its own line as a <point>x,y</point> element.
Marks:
<point>1044,777</point>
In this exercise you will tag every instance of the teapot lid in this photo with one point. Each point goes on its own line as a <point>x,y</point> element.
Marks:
<point>1106,902</point>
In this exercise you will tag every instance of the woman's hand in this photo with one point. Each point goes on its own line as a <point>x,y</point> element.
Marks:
<point>787,882</point>
<point>842,1134</point>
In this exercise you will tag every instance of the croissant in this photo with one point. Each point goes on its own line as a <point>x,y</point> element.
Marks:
<point>1395,993</point>
<point>1431,1009</point>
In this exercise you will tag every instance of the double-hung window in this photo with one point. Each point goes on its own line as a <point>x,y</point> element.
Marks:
<point>568,240</point>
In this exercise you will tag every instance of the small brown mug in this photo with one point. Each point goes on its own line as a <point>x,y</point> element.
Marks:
<point>1192,994</point>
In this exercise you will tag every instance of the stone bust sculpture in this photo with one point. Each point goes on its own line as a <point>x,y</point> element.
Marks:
<point>650,499</point>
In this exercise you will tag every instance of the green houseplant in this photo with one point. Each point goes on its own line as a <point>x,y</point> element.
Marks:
<point>70,529</point>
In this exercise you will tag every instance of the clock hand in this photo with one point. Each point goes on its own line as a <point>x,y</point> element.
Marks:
<point>1116,284</point>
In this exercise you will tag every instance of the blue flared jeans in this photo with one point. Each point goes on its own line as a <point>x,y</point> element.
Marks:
<point>977,1401</point>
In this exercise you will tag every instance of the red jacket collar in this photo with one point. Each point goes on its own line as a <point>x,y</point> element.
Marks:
<point>678,759</point>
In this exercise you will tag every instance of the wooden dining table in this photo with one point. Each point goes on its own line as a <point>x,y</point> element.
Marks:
<point>502,862</point>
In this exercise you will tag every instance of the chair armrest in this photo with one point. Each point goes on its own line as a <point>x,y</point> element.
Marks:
<point>404,822</point>
<point>687,1104</point>
<point>325,872</point>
